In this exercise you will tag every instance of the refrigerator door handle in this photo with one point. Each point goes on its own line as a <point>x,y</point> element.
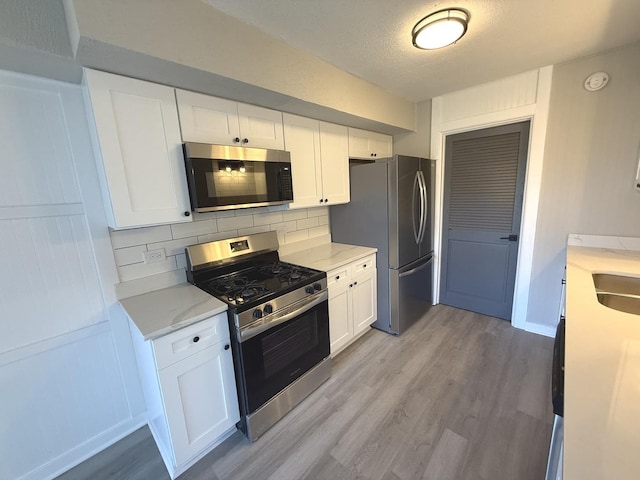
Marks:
<point>416,186</point>
<point>423,210</point>
<point>416,269</point>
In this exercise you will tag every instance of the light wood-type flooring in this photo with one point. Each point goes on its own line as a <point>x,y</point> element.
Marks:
<point>458,396</point>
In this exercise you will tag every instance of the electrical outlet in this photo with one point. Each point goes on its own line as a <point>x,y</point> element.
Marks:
<point>154,256</point>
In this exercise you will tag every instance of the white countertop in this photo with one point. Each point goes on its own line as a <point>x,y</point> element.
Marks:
<point>328,256</point>
<point>602,372</point>
<point>163,311</point>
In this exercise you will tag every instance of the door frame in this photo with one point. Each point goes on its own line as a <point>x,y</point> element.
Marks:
<point>537,113</point>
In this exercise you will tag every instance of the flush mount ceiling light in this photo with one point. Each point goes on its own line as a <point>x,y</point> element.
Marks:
<point>440,29</point>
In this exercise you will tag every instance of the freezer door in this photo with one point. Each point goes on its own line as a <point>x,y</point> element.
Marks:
<point>404,210</point>
<point>410,293</point>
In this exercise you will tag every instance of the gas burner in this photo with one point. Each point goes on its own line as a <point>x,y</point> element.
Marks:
<point>274,268</point>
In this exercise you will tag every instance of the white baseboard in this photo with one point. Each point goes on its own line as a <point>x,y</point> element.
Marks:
<point>546,330</point>
<point>82,452</point>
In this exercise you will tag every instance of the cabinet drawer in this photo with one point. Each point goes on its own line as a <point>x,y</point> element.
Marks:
<point>363,265</point>
<point>190,340</point>
<point>338,276</point>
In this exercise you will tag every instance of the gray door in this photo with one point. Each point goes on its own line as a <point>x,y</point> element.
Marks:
<point>484,185</point>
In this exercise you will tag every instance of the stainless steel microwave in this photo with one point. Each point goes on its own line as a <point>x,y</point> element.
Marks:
<point>223,177</point>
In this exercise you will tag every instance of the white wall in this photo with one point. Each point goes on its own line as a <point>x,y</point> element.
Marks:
<point>67,373</point>
<point>191,45</point>
<point>509,100</point>
<point>292,226</point>
<point>418,143</point>
<point>591,156</point>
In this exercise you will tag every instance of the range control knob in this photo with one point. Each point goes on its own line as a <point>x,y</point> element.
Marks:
<point>317,286</point>
<point>257,313</point>
<point>268,308</point>
<point>309,289</point>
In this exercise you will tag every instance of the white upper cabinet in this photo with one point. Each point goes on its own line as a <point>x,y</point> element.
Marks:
<point>219,121</point>
<point>370,145</point>
<point>138,149</point>
<point>319,161</point>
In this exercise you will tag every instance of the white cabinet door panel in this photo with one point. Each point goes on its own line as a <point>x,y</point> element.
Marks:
<point>340,323</point>
<point>140,146</point>
<point>207,119</point>
<point>200,400</point>
<point>364,302</point>
<point>334,150</point>
<point>260,127</point>
<point>302,140</point>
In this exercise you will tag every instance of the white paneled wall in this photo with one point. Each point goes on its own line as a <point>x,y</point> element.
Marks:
<point>129,245</point>
<point>68,382</point>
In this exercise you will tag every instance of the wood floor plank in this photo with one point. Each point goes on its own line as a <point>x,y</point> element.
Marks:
<point>459,395</point>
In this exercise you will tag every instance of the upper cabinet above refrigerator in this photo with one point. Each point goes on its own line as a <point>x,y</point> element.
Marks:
<point>207,119</point>
<point>369,145</point>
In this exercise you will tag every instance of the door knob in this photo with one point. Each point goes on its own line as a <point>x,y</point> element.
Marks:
<point>511,238</point>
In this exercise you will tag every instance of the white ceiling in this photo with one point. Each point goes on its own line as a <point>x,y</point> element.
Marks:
<point>372,38</point>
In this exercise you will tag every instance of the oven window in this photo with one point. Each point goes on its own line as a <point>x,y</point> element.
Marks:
<point>282,348</point>
<point>277,357</point>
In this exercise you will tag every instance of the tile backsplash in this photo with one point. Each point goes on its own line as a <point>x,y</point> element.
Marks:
<point>129,245</point>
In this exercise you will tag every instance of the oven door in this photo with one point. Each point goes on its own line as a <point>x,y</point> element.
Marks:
<point>281,349</point>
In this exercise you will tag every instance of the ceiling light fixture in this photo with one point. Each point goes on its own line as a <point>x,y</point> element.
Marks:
<point>440,29</point>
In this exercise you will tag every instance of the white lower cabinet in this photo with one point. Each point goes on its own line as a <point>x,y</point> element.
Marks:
<point>352,301</point>
<point>190,390</point>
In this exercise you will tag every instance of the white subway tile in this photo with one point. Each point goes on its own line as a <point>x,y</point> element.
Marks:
<point>234,223</point>
<point>149,284</point>
<point>140,236</point>
<point>307,223</point>
<point>174,247</point>
<point>193,229</point>
<point>251,211</point>
<point>252,230</point>
<point>286,226</point>
<point>294,215</point>
<point>278,208</point>
<point>323,220</point>
<point>267,218</point>
<point>317,211</point>
<point>217,236</point>
<point>317,231</point>
<point>181,260</point>
<point>296,236</point>
<point>129,255</point>
<point>139,270</point>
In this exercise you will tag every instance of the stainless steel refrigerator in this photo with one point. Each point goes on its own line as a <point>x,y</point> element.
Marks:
<point>391,208</point>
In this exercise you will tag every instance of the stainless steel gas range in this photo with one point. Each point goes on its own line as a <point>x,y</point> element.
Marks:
<point>279,322</point>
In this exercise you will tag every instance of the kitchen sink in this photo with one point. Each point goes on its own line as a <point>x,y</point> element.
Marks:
<point>618,292</point>
<point>621,303</point>
<point>616,284</point>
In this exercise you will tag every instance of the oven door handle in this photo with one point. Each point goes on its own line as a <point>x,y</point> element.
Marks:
<point>298,308</point>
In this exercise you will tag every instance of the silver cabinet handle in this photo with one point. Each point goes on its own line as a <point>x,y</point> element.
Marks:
<point>416,182</point>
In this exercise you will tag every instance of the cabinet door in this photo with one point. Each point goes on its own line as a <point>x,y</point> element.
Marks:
<point>340,322</point>
<point>302,140</point>
<point>364,297</point>
<point>200,401</point>
<point>334,151</point>
<point>381,145</point>
<point>138,135</point>
<point>207,119</point>
<point>369,145</point>
<point>260,127</point>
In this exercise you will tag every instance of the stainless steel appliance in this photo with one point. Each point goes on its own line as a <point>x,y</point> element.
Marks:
<point>222,177</point>
<point>391,209</point>
<point>554,463</point>
<point>279,323</point>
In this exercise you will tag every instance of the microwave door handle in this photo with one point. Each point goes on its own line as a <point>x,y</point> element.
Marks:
<point>259,326</point>
<point>416,186</point>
